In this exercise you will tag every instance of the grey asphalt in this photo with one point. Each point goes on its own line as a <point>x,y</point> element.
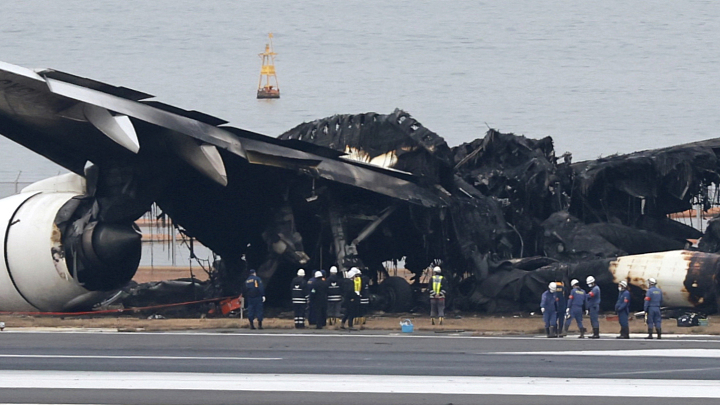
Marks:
<point>334,353</point>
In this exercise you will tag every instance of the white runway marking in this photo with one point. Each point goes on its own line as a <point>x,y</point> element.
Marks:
<point>704,353</point>
<point>385,384</point>
<point>64,356</point>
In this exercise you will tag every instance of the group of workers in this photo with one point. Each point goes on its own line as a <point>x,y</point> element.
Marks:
<point>319,299</point>
<point>554,303</point>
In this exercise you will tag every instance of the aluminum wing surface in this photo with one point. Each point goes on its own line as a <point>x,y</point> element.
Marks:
<point>72,120</point>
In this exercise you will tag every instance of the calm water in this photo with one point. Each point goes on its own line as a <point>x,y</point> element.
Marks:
<point>599,77</point>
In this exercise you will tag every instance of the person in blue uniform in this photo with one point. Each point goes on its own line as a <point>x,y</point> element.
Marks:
<point>593,303</point>
<point>577,301</point>
<point>298,289</point>
<point>622,307</point>
<point>548,306</point>
<point>653,302</point>
<point>561,302</point>
<point>255,296</point>
<point>334,298</point>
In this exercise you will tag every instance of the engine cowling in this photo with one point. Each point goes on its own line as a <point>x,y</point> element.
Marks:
<point>44,269</point>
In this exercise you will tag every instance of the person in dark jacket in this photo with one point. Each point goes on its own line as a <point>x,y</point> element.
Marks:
<point>577,300</point>
<point>593,306</point>
<point>255,295</point>
<point>298,288</point>
<point>622,307</point>
<point>364,307</point>
<point>548,306</point>
<point>352,292</point>
<point>318,299</point>
<point>561,301</point>
<point>653,302</point>
<point>334,286</point>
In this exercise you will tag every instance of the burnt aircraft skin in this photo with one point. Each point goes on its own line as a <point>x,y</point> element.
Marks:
<point>580,216</point>
<point>223,185</point>
<point>502,214</point>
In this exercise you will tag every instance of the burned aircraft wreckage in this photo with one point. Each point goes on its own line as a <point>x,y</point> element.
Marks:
<point>503,215</point>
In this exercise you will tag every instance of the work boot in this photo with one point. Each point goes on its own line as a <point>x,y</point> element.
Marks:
<point>342,325</point>
<point>432,320</point>
<point>553,332</point>
<point>627,332</point>
<point>582,333</point>
<point>259,324</point>
<point>649,336</point>
<point>252,325</point>
<point>596,333</point>
<point>547,332</point>
<point>441,320</point>
<point>659,333</point>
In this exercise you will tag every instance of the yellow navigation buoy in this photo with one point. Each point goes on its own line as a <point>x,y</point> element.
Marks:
<point>270,89</point>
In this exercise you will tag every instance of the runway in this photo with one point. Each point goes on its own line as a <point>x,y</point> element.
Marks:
<point>392,368</point>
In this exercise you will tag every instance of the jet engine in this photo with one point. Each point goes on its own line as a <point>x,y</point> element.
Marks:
<point>56,255</point>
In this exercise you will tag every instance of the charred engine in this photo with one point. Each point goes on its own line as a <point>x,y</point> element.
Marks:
<point>59,254</point>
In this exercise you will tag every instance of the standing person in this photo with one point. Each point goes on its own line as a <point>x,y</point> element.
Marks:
<point>576,302</point>
<point>298,288</point>
<point>653,302</point>
<point>622,307</point>
<point>364,307</point>
<point>334,288</point>
<point>318,299</point>
<point>561,303</point>
<point>593,302</point>
<point>438,287</point>
<point>352,297</point>
<point>548,307</point>
<point>311,304</point>
<point>255,295</point>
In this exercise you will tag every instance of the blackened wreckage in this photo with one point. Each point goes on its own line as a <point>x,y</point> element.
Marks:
<point>503,215</point>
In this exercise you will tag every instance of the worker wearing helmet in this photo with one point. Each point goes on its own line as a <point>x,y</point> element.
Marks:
<point>255,297</point>
<point>352,290</point>
<point>622,307</point>
<point>438,288</point>
<point>334,285</point>
<point>577,301</point>
<point>318,299</point>
<point>593,303</point>
<point>653,302</point>
<point>298,289</point>
<point>548,307</point>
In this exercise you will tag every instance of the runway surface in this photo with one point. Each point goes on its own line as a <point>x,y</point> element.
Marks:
<point>331,367</point>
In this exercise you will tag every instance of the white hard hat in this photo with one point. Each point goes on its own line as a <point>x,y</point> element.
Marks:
<point>590,280</point>
<point>301,273</point>
<point>333,270</point>
<point>318,274</point>
<point>552,287</point>
<point>623,284</point>
<point>437,269</point>
<point>574,282</point>
<point>652,281</point>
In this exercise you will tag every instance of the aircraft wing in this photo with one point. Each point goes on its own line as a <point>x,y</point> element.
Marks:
<point>73,120</point>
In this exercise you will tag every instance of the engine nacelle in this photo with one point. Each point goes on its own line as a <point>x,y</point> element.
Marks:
<point>38,272</point>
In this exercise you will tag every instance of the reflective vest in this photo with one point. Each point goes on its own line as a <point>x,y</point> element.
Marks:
<point>437,284</point>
